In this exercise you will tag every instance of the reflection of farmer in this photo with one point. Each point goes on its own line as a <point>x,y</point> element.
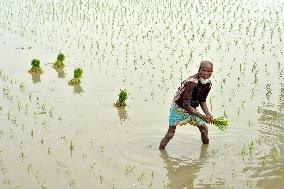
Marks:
<point>181,174</point>
<point>192,93</point>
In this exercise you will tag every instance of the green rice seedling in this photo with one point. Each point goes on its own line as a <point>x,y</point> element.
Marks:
<point>102,148</point>
<point>29,167</point>
<point>234,173</point>
<point>43,186</point>
<point>59,62</point>
<point>274,154</point>
<point>225,114</point>
<point>60,118</point>
<point>22,155</point>
<point>281,170</point>
<point>49,150</point>
<point>72,182</point>
<point>243,152</point>
<point>6,181</point>
<point>122,96</point>
<point>264,161</point>
<point>30,97</point>
<point>150,185</point>
<point>72,147</point>
<point>22,87</point>
<point>19,106</point>
<point>50,112</point>
<point>36,69</point>
<point>129,169</point>
<point>77,75</point>
<point>140,178</point>
<point>101,179</point>
<point>220,122</point>
<point>251,148</point>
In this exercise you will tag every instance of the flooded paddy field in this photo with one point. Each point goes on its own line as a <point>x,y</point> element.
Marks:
<point>53,135</point>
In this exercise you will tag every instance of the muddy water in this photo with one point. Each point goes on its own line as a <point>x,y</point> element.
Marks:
<point>58,136</point>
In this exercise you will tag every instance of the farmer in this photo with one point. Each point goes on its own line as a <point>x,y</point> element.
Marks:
<point>192,93</point>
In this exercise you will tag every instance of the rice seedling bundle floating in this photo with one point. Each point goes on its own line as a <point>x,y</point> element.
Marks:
<point>36,69</point>
<point>59,62</point>
<point>221,123</point>
<point>122,96</point>
<point>77,75</point>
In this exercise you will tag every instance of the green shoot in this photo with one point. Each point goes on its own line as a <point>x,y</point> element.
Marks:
<point>35,63</point>
<point>264,161</point>
<point>60,57</point>
<point>243,152</point>
<point>49,150</point>
<point>274,154</point>
<point>36,69</point>
<point>59,62</point>
<point>77,75</point>
<point>122,96</point>
<point>72,146</point>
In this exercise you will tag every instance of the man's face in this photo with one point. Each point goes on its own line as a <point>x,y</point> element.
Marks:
<point>205,71</point>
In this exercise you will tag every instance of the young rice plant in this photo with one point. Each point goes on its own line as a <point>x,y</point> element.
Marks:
<point>122,96</point>
<point>77,75</point>
<point>36,69</point>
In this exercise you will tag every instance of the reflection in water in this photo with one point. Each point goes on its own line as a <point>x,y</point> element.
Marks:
<point>182,173</point>
<point>60,72</point>
<point>272,135</point>
<point>281,98</point>
<point>122,113</point>
<point>36,78</point>
<point>77,89</point>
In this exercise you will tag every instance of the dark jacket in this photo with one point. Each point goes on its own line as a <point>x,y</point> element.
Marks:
<point>192,92</point>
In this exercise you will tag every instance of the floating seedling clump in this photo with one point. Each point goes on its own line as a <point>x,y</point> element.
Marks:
<point>122,96</point>
<point>36,69</point>
<point>221,123</point>
<point>77,75</point>
<point>59,62</point>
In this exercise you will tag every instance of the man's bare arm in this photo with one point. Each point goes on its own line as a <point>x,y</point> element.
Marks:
<point>193,111</point>
<point>204,107</point>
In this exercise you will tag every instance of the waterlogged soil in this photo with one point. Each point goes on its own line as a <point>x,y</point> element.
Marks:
<point>53,135</point>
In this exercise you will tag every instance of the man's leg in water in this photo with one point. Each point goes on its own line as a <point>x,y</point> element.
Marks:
<point>170,134</point>
<point>204,133</point>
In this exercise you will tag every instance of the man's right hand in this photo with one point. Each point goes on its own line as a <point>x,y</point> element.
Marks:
<point>206,119</point>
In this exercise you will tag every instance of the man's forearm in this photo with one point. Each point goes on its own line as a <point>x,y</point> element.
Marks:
<point>193,111</point>
<point>205,108</point>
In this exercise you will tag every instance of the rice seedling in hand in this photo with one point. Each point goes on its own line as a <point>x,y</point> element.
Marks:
<point>122,96</point>
<point>77,75</point>
<point>220,122</point>
<point>59,62</point>
<point>36,69</point>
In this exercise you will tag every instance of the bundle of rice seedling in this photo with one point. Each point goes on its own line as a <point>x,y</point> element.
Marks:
<point>220,122</point>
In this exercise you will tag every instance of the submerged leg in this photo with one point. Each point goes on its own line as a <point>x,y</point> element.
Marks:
<point>204,133</point>
<point>170,134</point>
